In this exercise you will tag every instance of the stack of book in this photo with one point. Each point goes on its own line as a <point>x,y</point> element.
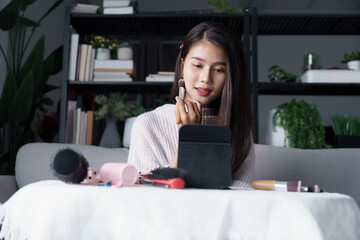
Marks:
<point>84,67</point>
<point>119,6</point>
<point>113,70</point>
<point>85,8</point>
<point>81,62</point>
<point>79,125</point>
<point>161,77</point>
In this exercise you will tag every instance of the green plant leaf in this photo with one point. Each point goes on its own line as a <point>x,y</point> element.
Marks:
<point>8,92</point>
<point>28,22</point>
<point>9,15</point>
<point>35,63</point>
<point>25,4</point>
<point>52,8</point>
<point>22,102</point>
<point>52,65</point>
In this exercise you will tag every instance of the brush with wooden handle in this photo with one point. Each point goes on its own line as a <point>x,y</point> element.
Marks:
<point>181,83</point>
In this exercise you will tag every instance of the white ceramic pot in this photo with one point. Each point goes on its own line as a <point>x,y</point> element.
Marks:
<point>125,53</point>
<point>277,137</point>
<point>354,65</point>
<point>102,53</point>
<point>127,131</point>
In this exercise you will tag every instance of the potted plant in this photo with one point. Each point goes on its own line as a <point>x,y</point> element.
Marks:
<point>346,130</point>
<point>105,47</point>
<point>124,51</point>
<point>277,74</point>
<point>223,6</point>
<point>111,109</point>
<point>25,85</point>
<point>311,61</point>
<point>352,59</point>
<point>302,125</point>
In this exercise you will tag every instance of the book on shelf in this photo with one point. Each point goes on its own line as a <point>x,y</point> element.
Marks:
<point>119,10</point>
<point>85,8</point>
<point>121,70</point>
<point>116,3</point>
<point>112,77</point>
<point>89,127</point>
<point>74,45</point>
<point>79,125</point>
<point>69,125</point>
<point>120,6</point>
<point>114,64</point>
<point>87,63</point>
<point>160,77</point>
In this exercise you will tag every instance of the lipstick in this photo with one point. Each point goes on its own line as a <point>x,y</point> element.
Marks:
<point>181,95</point>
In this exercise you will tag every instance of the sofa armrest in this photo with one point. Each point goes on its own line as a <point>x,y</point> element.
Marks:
<point>33,160</point>
<point>8,187</point>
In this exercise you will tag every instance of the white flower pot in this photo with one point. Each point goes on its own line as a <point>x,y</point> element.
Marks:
<point>102,54</point>
<point>125,53</point>
<point>354,65</point>
<point>127,131</point>
<point>277,137</point>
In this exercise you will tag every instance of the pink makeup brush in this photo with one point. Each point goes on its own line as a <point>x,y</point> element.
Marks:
<point>181,83</point>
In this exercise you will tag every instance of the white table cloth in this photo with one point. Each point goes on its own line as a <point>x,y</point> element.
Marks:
<point>55,210</point>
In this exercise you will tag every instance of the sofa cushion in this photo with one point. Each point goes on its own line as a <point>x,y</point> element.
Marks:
<point>335,170</point>
<point>33,159</point>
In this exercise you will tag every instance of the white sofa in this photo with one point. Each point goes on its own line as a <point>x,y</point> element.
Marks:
<point>335,170</point>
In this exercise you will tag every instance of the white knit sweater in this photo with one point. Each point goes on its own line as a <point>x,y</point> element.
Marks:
<point>154,141</point>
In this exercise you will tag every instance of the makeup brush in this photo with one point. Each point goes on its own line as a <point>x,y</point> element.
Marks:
<point>173,178</point>
<point>181,83</point>
<point>289,186</point>
<point>69,166</point>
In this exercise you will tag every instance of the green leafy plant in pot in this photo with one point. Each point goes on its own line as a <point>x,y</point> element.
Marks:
<point>346,130</point>
<point>352,59</point>
<point>277,74</point>
<point>26,80</point>
<point>302,124</point>
<point>112,108</point>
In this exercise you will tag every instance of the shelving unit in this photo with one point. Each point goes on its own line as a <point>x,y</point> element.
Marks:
<point>299,24</point>
<point>147,30</point>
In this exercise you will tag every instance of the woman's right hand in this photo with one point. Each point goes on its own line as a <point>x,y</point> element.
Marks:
<point>190,111</point>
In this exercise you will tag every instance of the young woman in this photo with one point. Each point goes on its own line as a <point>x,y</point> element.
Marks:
<point>212,64</point>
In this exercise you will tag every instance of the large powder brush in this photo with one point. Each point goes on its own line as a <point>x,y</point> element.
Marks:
<point>69,166</point>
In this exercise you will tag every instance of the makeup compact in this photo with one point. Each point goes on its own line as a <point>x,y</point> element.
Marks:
<point>204,152</point>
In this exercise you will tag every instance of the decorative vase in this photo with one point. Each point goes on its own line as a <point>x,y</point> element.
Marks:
<point>102,54</point>
<point>354,65</point>
<point>110,137</point>
<point>125,53</point>
<point>277,137</point>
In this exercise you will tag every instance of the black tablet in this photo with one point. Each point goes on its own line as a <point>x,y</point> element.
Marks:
<point>204,152</point>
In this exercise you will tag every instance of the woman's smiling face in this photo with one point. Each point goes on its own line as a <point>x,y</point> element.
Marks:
<point>204,73</point>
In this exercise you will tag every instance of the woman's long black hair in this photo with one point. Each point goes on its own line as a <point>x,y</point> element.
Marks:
<point>234,104</point>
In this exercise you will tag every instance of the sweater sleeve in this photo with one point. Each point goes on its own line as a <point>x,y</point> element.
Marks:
<point>153,141</point>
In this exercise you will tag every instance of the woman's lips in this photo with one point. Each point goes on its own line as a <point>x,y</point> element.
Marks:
<point>203,91</point>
